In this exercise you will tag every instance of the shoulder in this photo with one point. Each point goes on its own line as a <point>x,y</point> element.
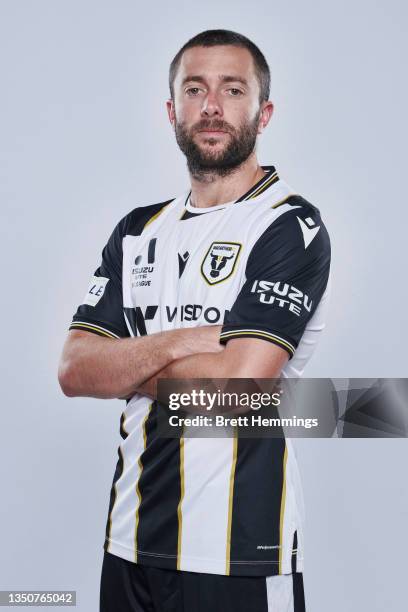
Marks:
<point>134,222</point>
<point>295,237</point>
<point>295,223</point>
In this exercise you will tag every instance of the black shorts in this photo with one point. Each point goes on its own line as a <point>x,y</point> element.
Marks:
<point>128,587</point>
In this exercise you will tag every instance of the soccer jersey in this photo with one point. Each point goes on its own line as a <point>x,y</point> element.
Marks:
<point>258,266</point>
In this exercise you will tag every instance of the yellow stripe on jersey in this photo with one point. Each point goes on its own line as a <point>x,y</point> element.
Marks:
<point>179,513</point>
<point>231,501</point>
<point>115,491</point>
<point>140,473</point>
<point>269,181</point>
<point>154,217</point>
<point>283,200</point>
<point>282,511</point>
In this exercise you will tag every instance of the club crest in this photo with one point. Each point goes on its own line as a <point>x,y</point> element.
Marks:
<point>219,261</point>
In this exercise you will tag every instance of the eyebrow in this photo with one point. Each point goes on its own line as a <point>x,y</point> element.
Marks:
<point>225,78</point>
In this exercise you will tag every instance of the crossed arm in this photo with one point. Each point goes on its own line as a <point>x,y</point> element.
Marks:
<point>93,366</point>
<point>242,358</point>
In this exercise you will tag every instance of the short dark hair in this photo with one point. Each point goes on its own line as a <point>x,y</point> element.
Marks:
<point>212,38</point>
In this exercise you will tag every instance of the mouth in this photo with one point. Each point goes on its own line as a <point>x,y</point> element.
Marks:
<point>212,132</point>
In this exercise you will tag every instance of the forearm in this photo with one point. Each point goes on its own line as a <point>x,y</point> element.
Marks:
<point>240,359</point>
<point>106,368</point>
<point>202,365</point>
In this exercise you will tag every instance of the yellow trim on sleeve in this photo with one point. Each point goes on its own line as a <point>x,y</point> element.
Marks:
<point>255,333</point>
<point>94,328</point>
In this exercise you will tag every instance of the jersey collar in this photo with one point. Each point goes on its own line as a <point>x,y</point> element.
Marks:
<point>256,190</point>
<point>262,185</point>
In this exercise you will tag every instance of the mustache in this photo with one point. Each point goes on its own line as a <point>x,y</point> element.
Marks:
<point>215,124</point>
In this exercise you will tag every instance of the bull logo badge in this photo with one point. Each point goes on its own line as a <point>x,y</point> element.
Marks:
<point>220,261</point>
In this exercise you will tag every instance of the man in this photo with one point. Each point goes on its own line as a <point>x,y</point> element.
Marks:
<point>229,280</point>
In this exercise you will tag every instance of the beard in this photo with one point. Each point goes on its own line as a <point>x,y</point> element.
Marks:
<point>204,164</point>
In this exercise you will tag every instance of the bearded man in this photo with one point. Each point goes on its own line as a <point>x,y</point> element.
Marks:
<point>228,280</point>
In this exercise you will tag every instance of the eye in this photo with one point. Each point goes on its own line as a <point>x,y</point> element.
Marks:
<point>192,91</point>
<point>235,92</point>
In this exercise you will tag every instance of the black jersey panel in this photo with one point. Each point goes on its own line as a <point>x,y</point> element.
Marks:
<point>160,490</point>
<point>286,275</point>
<point>102,313</point>
<point>257,505</point>
<point>104,307</point>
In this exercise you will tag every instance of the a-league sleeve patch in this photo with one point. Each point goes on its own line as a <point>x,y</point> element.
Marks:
<point>96,290</point>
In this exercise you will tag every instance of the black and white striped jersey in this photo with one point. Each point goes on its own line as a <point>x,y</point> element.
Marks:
<point>260,267</point>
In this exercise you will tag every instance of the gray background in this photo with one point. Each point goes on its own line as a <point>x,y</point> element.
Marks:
<point>84,139</point>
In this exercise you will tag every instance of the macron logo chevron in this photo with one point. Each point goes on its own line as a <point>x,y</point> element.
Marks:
<point>182,259</point>
<point>309,229</point>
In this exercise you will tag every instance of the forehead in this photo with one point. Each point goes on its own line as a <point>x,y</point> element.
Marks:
<point>210,62</point>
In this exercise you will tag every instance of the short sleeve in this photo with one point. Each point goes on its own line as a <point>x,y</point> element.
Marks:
<point>287,273</point>
<point>101,311</point>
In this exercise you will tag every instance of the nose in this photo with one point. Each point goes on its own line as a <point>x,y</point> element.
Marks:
<point>211,106</point>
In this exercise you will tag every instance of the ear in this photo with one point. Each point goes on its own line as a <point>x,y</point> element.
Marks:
<point>265,116</point>
<point>171,111</point>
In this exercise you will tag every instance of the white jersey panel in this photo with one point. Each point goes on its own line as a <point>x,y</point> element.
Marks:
<point>206,503</point>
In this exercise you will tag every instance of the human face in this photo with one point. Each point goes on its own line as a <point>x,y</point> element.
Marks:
<point>215,111</point>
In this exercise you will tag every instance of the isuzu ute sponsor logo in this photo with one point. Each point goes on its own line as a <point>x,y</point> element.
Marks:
<point>282,295</point>
<point>219,261</point>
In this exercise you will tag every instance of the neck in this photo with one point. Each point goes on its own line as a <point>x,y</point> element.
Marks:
<point>211,189</point>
